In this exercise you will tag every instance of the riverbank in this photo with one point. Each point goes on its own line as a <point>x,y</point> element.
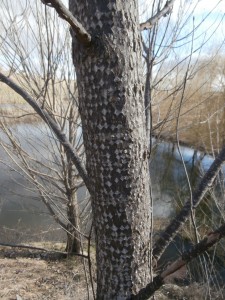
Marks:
<point>13,108</point>
<point>24,278</point>
<point>21,113</point>
<point>198,123</point>
<point>17,113</point>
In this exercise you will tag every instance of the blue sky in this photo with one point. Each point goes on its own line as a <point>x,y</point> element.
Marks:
<point>196,31</point>
<point>207,17</point>
<point>183,11</point>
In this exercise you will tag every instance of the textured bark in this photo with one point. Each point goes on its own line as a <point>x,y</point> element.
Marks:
<point>112,111</point>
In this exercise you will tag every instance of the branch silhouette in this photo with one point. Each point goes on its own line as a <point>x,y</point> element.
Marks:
<point>172,270</point>
<point>82,35</point>
<point>53,125</point>
<point>181,218</point>
<point>161,13</point>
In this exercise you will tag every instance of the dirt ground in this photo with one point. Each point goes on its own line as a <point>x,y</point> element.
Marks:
<point>29,275</point>
<point>26,278</point>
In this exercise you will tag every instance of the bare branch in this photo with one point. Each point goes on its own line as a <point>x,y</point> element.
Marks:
<point>82,35</point>
<point>161,13</point>
<point>53,125</point>
<point>172,270</point>
<point>205,184</point>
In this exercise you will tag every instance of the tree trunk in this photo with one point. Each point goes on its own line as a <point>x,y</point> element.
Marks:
<point>73,236</point>
<point>111,105</point>
<point>73,227</point>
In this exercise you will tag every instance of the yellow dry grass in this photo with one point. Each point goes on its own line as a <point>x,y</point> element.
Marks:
<point>200,120</point>
<point>201,116</point>
<point>34,278</point>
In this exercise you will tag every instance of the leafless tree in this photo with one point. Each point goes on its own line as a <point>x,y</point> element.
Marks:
<point>108,60</point>
<point>42,66</point>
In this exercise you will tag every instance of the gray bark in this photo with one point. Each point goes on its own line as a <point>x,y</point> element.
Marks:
<point>111,104</point>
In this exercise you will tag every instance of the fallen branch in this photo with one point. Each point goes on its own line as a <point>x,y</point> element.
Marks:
<point>172,271</point>
<point>41,249</point>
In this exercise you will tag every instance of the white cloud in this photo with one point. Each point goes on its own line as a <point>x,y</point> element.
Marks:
<point>204,6</point>
<point>198,7</point>
<point>184,10</point>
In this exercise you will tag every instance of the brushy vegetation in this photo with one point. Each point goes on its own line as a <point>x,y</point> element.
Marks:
<point>8,96</point>
<point>199,107</point>
<point>195,113</point>
<point>64,279</point>
<point>13,108</point>
<point>54,96</point>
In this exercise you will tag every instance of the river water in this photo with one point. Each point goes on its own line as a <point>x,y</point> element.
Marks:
<point>24,218</point>
<point>22,213</point>
<point>20,205</point>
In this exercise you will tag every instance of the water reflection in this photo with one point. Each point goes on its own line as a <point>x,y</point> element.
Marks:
<point>20,204</point>
<point>20,207</point>
<point>169,178</point>
<point>21,210</point>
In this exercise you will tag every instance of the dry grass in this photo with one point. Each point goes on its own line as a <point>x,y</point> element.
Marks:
<point>192,292</point>
<point>54,95</point>
<point>35,279</point>
<point>201,120</point>
<point>38,279</point>
<point>15,114</point>
<point>13,108</point>
<point>199,104</point>
<point>8,96</point>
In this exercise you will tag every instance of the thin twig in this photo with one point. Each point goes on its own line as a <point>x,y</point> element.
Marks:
<point>53,125</point>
